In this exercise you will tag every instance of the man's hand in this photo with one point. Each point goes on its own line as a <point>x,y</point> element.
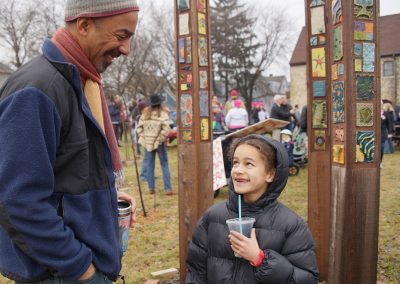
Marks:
<point>247,248</point>
<point>128,198</point>
<point>89,273</point>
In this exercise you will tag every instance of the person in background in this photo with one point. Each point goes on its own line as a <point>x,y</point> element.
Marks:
<point>114,108</point>
<point>303,119</point>
<point>58,195</point>
<point>173,132</point>
<point>237,117</point>
<point>124,126</point>
<point>296,113</point>
<point>386,130</point>
<point>281,248</point>
<point>131,105</point>
<point>229,104</point>
<point>218,115</point>
<point>254,112</point>
<point>285,105</point>
<point>153,129</point>
<point>135,116</point>
<point>262,115</point>
<point>388,108</point>
<point>279,110</point>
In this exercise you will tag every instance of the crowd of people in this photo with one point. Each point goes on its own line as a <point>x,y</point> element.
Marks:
<point>149,125</point>
<point>233,115</point>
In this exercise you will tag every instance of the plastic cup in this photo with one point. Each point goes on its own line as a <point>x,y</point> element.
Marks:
<point>247,224</point>
<point>124,218</point>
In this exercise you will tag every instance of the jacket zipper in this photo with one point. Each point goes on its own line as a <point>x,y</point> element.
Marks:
<point>237,264</point>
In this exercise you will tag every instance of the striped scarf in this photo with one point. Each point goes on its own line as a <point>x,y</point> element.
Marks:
<point>93,90</point>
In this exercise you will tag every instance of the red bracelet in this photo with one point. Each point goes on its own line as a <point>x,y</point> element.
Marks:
<point>260,259</point>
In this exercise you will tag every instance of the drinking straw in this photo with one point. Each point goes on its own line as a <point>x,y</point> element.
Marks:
<point>240,213</point>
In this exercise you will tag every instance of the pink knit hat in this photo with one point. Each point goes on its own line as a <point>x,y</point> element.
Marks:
<point>75,9</point>
<point>234,93</point>
<point>237,103</point>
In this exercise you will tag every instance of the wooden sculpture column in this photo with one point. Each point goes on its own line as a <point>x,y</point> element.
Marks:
<point>193,63</point>
<point>319,149</point>
<point>355,111</point>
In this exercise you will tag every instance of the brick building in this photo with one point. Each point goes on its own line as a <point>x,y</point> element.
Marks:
<point>390,63</point>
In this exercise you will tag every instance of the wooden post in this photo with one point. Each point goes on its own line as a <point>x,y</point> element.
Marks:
<point>355,110</point>
<point>193,63</point>
<point>318,129</point>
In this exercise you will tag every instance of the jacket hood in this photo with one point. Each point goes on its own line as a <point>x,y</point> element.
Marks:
<point>275,187</point>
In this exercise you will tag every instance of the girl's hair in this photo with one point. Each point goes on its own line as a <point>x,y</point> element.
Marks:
<point>148,110</point>
<point>267,152</point>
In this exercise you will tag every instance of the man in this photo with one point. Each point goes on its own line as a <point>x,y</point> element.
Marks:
<point>229,103</point>
<point>59,156</point>
<point>279,110</point>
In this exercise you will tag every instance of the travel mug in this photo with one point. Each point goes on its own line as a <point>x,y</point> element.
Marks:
<point>124,218</point>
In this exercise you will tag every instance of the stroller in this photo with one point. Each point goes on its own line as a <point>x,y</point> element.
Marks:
<point>300,149</point>
<point>286,139</point>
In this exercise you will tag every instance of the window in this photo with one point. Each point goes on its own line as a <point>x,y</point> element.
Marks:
<point>388,68</point>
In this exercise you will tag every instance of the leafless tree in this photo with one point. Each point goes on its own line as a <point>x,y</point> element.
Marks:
<point>246,41</point>
<point>274,37</point>
<point>150,67</point>
<point>24,25</point>
<point>16,26</point>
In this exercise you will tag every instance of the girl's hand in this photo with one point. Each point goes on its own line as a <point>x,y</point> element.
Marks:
<point>128,198</point>
<point>247,247</point>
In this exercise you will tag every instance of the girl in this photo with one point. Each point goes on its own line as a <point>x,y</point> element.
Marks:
<point>153,129</point>
<point>280,249</point>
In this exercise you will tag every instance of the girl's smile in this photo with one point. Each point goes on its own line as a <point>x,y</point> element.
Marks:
<point>249,173</point>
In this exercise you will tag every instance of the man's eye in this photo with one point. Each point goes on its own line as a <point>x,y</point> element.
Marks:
<point>121,37</point>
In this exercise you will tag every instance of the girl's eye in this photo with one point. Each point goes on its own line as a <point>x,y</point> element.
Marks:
<point>234,163</point>
<point>249,164</point>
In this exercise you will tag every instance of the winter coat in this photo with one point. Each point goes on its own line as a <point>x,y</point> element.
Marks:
<point>303,119</point>
<point>237,118</point>
<point>281,234</point>
<point>58,202</point>
<point>115,113</point>
<point>153,131</point>
<point>280,112</point>
<point>386,126</point>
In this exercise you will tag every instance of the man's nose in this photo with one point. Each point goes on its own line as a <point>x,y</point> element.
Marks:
<point>125,47</point>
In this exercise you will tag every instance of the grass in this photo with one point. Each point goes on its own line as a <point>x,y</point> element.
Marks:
<point>154,242</point>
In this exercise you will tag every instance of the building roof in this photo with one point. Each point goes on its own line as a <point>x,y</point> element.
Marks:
<point>299,52</point>
<point>390,34</point>
<point>389,40</point>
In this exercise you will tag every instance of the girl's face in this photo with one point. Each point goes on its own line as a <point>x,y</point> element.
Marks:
<point>249,173</point>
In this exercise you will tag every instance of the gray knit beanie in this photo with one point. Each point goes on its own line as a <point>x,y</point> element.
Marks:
<point>97,8</point>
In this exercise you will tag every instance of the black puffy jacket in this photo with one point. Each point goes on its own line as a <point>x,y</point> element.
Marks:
<point>281,234</point>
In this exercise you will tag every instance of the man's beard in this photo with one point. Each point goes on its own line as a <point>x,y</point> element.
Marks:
<point>114,53</point>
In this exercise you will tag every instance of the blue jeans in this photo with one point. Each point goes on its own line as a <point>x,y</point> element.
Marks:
<point>134,139</point>
<point>149,164</point>
<point>97,278</point>
<point>143,169</point>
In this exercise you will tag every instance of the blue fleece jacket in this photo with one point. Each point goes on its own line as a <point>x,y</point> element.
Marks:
<point>58,203</point>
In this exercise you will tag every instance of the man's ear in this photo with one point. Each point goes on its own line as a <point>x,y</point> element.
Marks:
<point>83,25</point>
